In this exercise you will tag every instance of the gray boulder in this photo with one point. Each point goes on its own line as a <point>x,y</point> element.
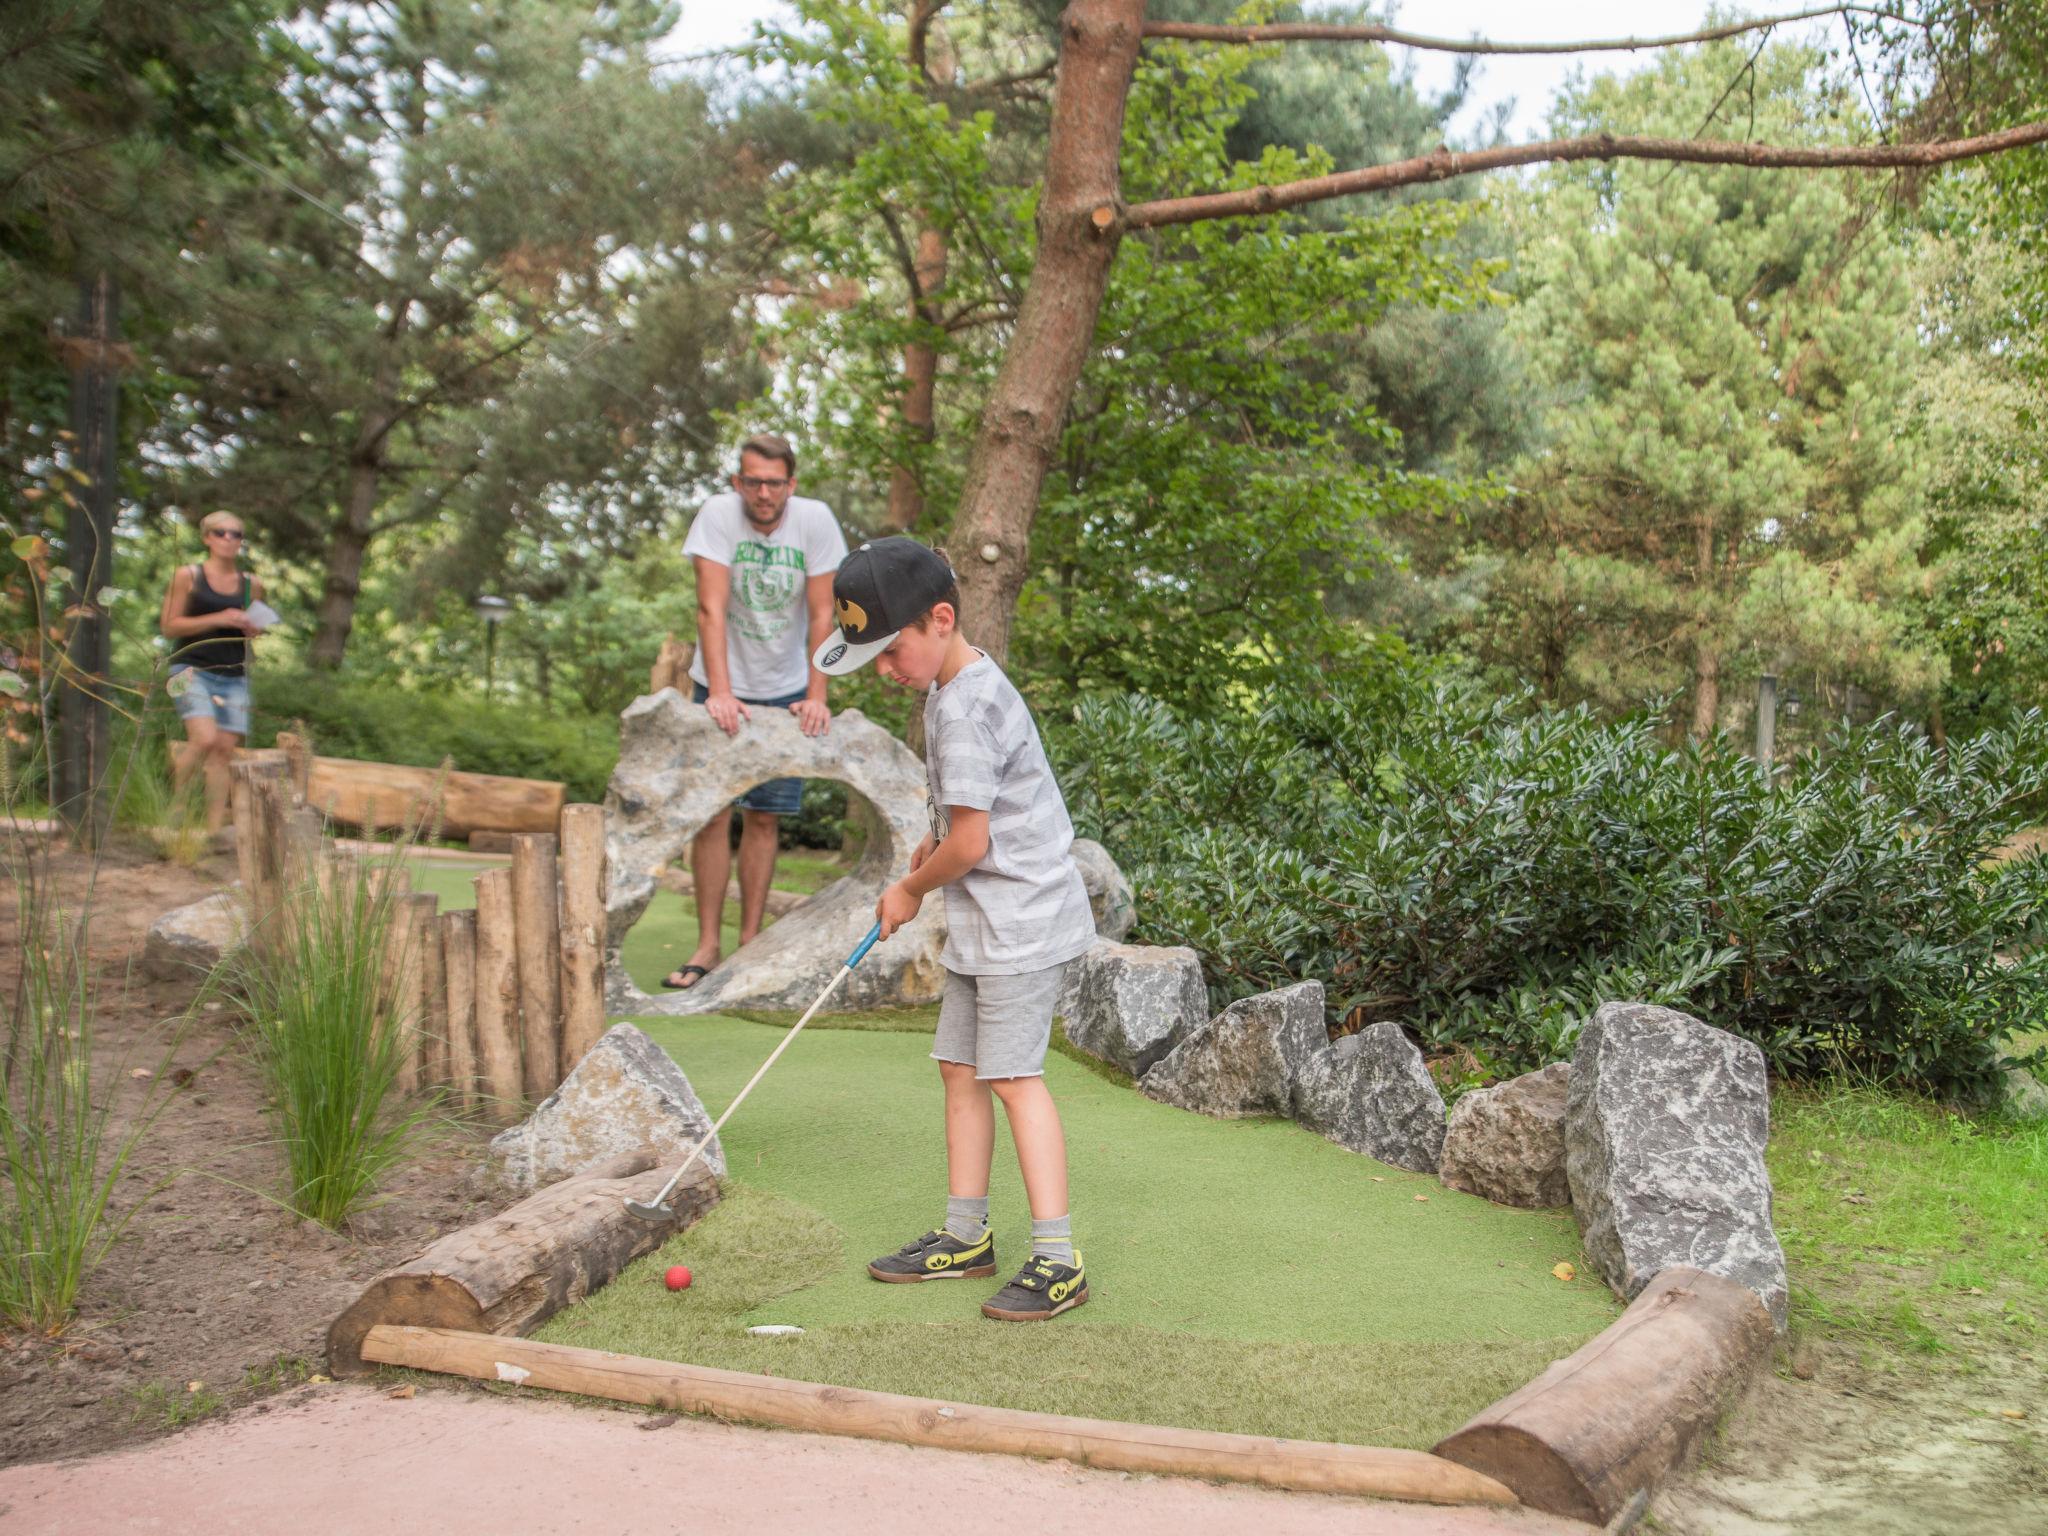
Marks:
<point>677,770</point>
<point>624,1095</point>
<point>1506,1143</point>
<point>1109,893</point>
<point>1665,1124</point>
<point>2026,1096</point>
<point>1372,1093</point>
<point>1249,1059</point>
<point>1129,1004</point>
<point>187,942</point>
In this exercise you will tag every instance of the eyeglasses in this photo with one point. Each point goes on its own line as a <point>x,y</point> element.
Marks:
<point>753,483</point>
<point>225,533</point>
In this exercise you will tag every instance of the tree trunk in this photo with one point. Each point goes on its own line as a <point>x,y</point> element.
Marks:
<point>935,65</point>
<point>83,740</point>
<point>920,379</point>
<point>1706,688</point>
<point>1080,220</point>
<point>358,514</point>
<point>1706,652</point>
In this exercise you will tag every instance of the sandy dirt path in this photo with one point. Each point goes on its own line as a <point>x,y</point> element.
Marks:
<point>350,1461</point>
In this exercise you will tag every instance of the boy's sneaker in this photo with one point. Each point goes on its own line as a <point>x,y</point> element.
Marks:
<point>1043,1288</point>
<point>938,1256</point>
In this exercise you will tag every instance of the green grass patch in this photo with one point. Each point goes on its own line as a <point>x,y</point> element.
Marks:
<point>1246,1275</point>
<point>1898,1216</point>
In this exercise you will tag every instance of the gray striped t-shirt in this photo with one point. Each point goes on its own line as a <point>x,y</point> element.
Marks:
<point>1023,907</point>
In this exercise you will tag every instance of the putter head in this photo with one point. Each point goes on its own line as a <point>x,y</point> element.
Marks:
<point>647,1212</point>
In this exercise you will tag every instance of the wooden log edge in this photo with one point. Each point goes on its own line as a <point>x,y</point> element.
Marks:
<point>1632,1403</point>
<point>429,1288</point>
<point>1302,1465</point>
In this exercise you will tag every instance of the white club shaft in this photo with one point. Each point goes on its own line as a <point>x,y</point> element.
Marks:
<point>712,1134</point>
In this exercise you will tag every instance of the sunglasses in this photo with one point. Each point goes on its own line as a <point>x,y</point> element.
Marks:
<point>753,483</point>
<point>225,533</point>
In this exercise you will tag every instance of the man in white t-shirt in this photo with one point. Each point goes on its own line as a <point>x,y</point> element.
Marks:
<point>765,558</point>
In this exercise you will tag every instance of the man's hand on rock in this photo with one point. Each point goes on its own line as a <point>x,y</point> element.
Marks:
<point>727,712</point>
<point>812,715</point>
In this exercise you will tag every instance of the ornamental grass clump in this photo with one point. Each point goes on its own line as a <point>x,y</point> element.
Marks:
<point>1488,872</point>
<point>320,1021</point>
<point>62,1146</point>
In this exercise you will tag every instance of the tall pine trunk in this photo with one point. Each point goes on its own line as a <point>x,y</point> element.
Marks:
<point>1706,648</point>
<point>1080,221</point>
<point>349,544</point>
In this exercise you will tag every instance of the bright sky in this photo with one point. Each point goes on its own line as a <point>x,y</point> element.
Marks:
<point>1531,80</point>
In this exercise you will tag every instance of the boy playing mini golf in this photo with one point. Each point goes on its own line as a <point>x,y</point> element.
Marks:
<point>1016,914</point>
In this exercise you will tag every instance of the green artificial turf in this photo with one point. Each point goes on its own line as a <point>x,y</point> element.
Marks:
<point>1244,1275</point>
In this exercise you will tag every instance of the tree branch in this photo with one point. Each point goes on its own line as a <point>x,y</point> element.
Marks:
<point>1324,32</point>
<point>1443,164</point>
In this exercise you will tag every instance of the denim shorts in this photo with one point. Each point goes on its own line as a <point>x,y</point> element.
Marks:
<point>778,797</point>
<point>222,697</point>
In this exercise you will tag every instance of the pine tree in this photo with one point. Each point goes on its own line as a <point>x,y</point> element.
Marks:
<point>1726,486</point>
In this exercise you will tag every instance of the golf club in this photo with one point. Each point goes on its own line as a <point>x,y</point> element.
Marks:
<point>657,1208</point>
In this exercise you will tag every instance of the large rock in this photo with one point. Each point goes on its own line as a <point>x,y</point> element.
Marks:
<point>1665,1125</point>
<point>187,942</point>
<point>1506,1143</point>
<point>624,1095</point>
<point>2026,1096</point>
<point>677,770</point>
<point>1371,1092</point>
<point>1249,1059</point>
<point>1109,893</point>
<point>1129,1004</point>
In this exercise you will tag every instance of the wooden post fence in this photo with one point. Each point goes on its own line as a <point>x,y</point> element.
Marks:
<point>496,1004</point>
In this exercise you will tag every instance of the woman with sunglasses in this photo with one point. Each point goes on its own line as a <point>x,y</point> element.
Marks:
<point>206,618</point>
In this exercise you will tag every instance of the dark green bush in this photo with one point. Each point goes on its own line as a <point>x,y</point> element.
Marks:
<point>1488,873</point>
<point>384,724</point>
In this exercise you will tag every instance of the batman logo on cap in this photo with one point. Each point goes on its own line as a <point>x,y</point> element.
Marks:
<point>852,617</point>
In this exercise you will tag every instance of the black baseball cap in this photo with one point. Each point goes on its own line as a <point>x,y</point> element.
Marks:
<point>879,588</point>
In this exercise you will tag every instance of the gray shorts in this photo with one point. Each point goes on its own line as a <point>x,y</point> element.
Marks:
<point>998,1025</point>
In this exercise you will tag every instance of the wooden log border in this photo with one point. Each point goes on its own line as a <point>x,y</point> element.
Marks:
<point>1612,1418</point>
<point>1305,1466</point>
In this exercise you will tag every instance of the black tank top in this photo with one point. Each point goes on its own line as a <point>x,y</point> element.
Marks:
<point>213,650</point>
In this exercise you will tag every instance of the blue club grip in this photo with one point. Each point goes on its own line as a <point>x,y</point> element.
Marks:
<point>866,944</point>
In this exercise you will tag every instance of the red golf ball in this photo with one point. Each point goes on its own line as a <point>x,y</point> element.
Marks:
<point>678,1278</point>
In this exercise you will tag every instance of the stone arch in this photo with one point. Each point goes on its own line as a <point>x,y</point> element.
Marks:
<point>677,770</point>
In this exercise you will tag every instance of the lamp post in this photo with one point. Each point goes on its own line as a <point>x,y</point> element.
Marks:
<point>493,611</point>
<point>1766,719</point>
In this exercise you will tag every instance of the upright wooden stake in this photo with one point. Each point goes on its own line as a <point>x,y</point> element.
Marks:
<point>433,1004</point>
<point>242,807</point>
<point>497,995</point>
<point>257,798</point>
<point>302,852</point>
<point>298,753</point>
<point>458,962</point>
<point>537,914</point>
<point>583,931</point>
<point>401,988</point>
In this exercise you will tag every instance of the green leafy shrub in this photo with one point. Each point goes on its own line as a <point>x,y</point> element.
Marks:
<point>386,724</point>
<point>1488,873</point>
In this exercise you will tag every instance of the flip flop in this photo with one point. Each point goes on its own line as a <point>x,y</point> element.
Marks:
<point>691,975</point>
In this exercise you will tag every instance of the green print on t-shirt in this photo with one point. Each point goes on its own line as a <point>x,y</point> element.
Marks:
<point>766,579</point>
